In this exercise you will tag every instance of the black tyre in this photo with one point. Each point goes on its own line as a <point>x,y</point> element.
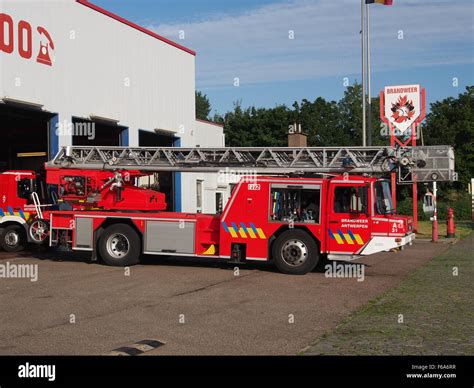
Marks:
<point>12,238</point>
<point>295,252</point>
<point>120,246</point>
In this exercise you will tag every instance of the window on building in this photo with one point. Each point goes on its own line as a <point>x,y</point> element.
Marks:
<point>199,196</point>
<point>219,202</point>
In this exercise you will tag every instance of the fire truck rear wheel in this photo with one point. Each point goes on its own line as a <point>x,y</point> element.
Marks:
<point>12,238</point>
<point>119,246</point>
<point>295,252</point>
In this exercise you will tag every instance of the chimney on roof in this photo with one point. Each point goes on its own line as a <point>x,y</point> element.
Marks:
<point>296,137</point>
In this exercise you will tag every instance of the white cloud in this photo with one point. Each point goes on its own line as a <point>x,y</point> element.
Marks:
<point>255,47</point>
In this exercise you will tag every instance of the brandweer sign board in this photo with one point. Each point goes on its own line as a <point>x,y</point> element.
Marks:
<point>402,105</point>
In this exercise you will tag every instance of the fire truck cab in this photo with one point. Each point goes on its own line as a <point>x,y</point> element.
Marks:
<point>295,221</point>
<point>16,188</point>
<point>28,197</point>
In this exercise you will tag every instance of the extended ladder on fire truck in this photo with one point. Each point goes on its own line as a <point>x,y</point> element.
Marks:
<point>426,163</point>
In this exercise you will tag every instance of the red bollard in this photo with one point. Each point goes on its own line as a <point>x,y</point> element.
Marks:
<point>450,227</point>
<point>434,231</point>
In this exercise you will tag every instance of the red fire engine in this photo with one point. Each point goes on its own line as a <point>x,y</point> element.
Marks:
<point>291,220</point>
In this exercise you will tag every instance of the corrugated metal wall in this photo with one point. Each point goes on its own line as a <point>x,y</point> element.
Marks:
<point>104,67</point>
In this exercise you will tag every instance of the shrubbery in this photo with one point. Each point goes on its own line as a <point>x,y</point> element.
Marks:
<point>460,202</point>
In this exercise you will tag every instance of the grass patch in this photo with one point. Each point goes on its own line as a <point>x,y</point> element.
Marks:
<point>463,229</point>
<point>436,307</point>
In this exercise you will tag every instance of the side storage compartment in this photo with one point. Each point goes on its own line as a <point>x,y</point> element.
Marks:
<point>84,234</point>
<point>170,237</point>
<point>61,229</point>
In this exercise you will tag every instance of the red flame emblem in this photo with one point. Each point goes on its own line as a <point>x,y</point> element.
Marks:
<point>403,110</point>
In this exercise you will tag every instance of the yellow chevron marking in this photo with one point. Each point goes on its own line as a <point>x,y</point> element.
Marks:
<point>210,251</point>
<point>260,233</point>
<point>358,239</point>
<point>252,234</point>
<point>232,231</point>
<point>338,238</point>
<point>18,214</point>
<point>241,232</point>
<point>348,239</point>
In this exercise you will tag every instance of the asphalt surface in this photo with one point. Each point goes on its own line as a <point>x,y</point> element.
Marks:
<point>81,308</point>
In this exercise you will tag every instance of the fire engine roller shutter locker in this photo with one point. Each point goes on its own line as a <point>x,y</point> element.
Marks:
<point>25,136</point>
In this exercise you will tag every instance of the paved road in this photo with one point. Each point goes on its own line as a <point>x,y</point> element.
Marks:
<point>223,313</point>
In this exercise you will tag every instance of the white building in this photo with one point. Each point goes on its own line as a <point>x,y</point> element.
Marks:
<point>74,73</point>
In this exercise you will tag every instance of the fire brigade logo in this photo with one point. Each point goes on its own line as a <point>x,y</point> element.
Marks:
<point>403,110</point>
<point>402,105</point>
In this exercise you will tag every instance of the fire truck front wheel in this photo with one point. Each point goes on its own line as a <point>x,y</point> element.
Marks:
<point>12,238</point>
<point>119,246</point>
<point>295,252</point>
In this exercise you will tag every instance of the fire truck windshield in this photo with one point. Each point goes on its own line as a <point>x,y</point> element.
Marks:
<point>383,196</point>
<point>25,188</point>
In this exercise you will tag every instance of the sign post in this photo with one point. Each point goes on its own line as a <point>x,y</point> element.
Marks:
<point>434,219</point>
<point>402,109</point>
<point>471,188</point>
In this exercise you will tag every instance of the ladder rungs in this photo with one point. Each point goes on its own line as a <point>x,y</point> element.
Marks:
<point>425,162</point>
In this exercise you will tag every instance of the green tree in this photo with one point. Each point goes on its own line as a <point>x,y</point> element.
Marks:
<point>203,106</point>
<point>257,127</point>
<point>380,136</point>
<point>451,121</point>
<point>350,108</point>
<point>321,121</point>
<point>327,123</point>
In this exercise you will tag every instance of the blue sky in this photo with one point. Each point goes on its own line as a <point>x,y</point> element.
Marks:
<point>249,40</point>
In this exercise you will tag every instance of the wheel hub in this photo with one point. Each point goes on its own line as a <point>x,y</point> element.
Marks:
<point>39,231</point>
<point>12,238</point>
<point>118,246</point>
<point>294,252</point>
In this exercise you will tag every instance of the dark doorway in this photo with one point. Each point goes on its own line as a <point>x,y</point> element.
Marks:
<point>25,135</point>
<point>96,133</point>
<point>164,180</point>
<point>152,139</point>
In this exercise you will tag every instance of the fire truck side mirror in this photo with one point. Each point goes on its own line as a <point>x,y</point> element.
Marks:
<point>428,204</point>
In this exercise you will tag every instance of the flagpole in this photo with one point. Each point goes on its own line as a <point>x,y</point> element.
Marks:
<point>364,137</point>
<point>369,93</point>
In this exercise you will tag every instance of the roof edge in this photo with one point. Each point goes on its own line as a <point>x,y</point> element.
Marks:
<point>210,122</point>
<point>135,26</point>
